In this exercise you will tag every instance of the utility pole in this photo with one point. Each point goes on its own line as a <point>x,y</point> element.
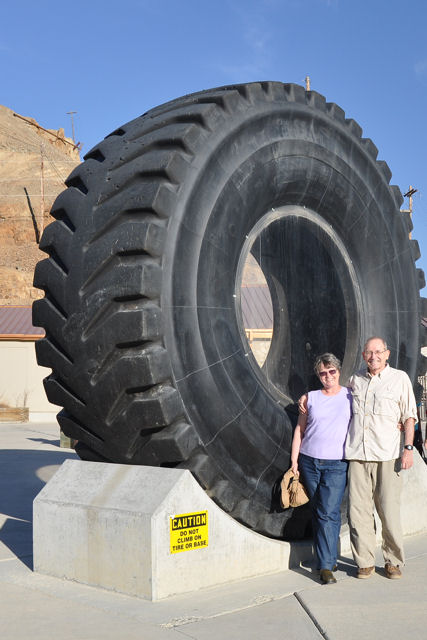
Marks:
<point>409,195</point>
<point>41,188</point>
<point>71,113</point>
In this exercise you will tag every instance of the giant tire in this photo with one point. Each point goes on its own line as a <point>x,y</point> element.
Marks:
<point>141,308</point>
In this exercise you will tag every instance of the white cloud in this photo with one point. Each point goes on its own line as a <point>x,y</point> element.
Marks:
<point>246,71</point>
<point>256,39</point>
<point>254,56</point>
<point>421,67</point>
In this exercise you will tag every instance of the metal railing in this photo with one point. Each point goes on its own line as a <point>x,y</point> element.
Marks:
<point>422,409</point>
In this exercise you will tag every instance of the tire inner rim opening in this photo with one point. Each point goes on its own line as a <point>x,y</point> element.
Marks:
<point>296,280</point>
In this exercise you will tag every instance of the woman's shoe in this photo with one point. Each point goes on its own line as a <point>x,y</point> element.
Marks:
<point>327,576</point>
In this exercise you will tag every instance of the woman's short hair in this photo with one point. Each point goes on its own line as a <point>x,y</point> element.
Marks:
<point>328,360</point>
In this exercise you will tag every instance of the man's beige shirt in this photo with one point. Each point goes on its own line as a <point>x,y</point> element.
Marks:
<point>380,402</point>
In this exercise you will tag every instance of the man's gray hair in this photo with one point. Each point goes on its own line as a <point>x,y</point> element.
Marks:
<point>376,338</point>
<point>327,359</point>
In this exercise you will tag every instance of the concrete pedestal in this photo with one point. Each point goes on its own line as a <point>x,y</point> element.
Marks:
<point>145,531</point>
<point>153,532</point>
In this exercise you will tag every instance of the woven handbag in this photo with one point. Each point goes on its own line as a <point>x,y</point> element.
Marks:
<point>293,492</point>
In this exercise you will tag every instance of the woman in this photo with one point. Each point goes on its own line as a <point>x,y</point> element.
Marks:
<point>318,455</point>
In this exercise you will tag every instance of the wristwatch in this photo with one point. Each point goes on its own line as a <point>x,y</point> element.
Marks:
<point>408,446</point>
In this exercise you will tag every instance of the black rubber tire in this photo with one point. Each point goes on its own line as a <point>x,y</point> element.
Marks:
<point>142,284</point>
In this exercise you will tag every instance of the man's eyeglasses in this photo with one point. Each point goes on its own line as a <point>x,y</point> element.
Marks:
<point>374,353</point>
<point>331,372</point>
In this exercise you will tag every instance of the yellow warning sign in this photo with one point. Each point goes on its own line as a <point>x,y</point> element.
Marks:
<point>189,531</point>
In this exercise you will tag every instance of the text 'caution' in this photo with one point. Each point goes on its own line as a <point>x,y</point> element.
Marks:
<point>189,531</point>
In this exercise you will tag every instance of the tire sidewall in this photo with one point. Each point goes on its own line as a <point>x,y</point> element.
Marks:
<point>273,157</point>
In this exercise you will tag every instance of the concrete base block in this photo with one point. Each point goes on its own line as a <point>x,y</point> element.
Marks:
<point>414,497</point>
<point>145,531</point>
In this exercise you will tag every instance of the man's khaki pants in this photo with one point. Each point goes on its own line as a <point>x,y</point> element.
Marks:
<point>376,483</point>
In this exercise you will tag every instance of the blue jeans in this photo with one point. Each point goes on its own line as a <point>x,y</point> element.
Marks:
<point>325,481</point>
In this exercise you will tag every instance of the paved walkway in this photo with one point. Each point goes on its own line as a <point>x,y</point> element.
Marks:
<point>291,605</point>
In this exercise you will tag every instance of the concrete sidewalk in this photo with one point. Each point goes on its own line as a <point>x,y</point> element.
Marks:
<point>291,604</point>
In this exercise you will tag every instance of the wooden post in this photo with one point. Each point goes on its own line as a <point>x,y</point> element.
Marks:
<point>41,189</point>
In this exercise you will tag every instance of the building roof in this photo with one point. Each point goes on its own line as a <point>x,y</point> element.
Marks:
<point>16,324</point>
<point>257,309</point>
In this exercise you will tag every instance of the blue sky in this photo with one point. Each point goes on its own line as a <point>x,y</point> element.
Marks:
<point>111,61</point>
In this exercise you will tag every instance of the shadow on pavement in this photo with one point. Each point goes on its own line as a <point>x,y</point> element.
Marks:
<point>23,475</point>
<point>54,443</point>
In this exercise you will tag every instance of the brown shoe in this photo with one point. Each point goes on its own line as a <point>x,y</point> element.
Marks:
<point>392,572</point>
<point>327,577</point>
<point>365,572</point>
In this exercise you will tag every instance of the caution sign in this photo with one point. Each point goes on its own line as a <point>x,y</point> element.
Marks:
<point>189,531</point>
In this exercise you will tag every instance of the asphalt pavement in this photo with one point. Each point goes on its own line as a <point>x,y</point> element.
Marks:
<point>292,605</point>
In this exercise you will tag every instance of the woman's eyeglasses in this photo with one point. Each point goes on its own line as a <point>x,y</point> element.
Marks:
<point>331,372</point>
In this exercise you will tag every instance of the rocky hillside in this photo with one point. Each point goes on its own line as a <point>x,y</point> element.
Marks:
<point>33,166</point>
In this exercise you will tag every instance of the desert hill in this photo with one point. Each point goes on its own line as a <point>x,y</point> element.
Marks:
<point>33,166</point>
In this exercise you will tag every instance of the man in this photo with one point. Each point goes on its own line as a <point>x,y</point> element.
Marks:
<point>382,398</point>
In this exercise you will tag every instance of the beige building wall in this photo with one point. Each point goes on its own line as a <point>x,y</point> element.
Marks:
<point>21,380</point>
